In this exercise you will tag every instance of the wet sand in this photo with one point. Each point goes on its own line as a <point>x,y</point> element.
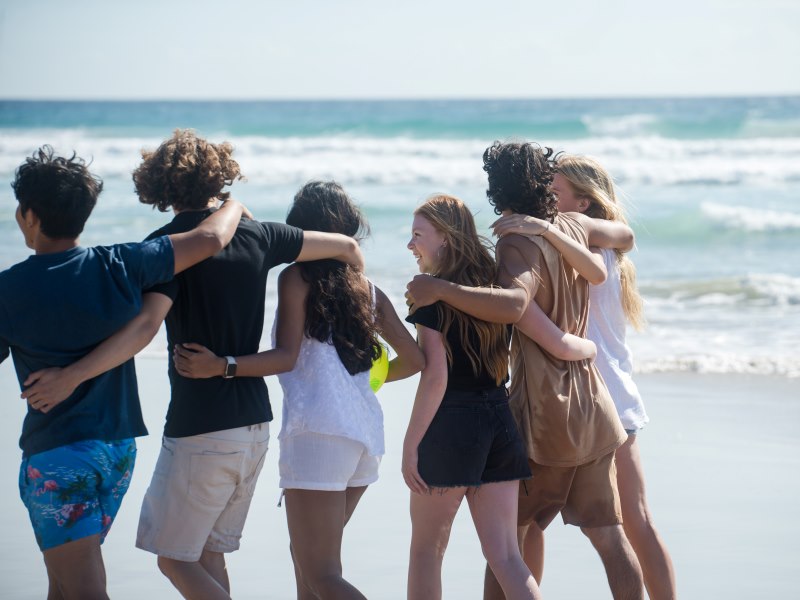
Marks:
<point>721,455</point>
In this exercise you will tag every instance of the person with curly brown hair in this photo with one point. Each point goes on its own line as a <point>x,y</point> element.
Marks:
<point>563,409</point>
<point>217,428</point>
<point>78,450</point>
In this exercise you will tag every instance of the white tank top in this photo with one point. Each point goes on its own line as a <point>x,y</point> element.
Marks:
<point>606,329</point>
<point>320,396</point>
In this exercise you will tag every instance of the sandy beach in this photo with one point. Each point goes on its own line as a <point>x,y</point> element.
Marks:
<point>721,456</point>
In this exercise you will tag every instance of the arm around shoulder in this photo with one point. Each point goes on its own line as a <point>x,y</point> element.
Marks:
<point>208,238</point>
<point>606,234</point>
<point>318,246</point>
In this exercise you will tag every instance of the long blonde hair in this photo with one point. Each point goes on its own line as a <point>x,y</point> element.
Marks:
<point>465,259</point>
<point>590,181</point>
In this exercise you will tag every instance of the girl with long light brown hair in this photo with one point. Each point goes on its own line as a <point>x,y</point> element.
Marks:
<point>462,440</point>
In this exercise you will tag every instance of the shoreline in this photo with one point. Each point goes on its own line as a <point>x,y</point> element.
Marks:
<point>717,486</point>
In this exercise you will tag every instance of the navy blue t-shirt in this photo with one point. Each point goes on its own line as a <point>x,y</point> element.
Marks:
<point>54,309</point>
<point>219,303</point>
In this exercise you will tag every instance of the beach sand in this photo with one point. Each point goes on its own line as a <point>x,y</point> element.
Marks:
<point>721,455</point>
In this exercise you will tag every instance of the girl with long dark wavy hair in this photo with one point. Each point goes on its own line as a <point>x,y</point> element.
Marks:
<point>325,341</point>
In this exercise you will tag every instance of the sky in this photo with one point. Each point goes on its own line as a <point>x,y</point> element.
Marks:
<point>325,49</point>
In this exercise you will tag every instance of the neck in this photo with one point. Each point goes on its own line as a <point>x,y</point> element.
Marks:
<point>45,245</point>
<point>212,203</point>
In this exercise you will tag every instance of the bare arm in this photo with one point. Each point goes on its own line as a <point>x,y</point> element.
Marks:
<point>49,387</point>
<point>209,237</point>
<point>590,266</point>
<point>535,324</point>
<point>606,234</point>
<point>198,362</point>
<point>409,359</point>
<point>504,305</point>
<point>432,385</point>
<point>318,245</point>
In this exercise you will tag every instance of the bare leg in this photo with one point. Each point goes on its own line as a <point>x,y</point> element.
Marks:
<point>622,569</point>
<point>316,522</point>
<point>494,512</point>
<point>76,571</point>
<point>431,520</point>
<point>214,564</point>
<point>53,589</point>
<point>192,580</point>
<point>532,545</point>
<point>659,575</point>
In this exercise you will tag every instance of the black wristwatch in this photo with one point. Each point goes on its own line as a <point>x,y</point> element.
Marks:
<point>230,368</point>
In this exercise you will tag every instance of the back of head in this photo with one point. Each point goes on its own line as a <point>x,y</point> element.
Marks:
<point>520,175</point>
<point>339,304</point>
<point>590,181</point>
<point>465,259</point>
<point>60,191</point>
<point>325,206</point>
<point>185,172</point>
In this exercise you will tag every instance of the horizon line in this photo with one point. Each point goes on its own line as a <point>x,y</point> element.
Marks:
<point>404,99</point>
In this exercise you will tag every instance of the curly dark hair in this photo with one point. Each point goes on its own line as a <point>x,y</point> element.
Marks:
<point>60,191</point>
<point>339,305</point>
<point>520,175</point>
<point>185,172</point>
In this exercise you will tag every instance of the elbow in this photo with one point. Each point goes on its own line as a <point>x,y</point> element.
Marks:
<point>515,313</point>
<point>418,362</point>
<point>598,277</point>
<point>628,241</point>
<point>286,363</point>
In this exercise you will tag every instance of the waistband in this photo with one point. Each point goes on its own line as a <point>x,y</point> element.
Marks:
<point>247,433</point>
<point>466,398</point>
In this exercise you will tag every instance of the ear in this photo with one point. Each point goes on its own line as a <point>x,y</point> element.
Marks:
<point>583,204</point>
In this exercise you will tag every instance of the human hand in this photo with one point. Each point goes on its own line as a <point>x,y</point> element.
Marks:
<point>520,224</point>
<point>245,211</point>
<point>197,362</point>
<point>422,290</point>
<point>410,473</point>
<point>47,388</point>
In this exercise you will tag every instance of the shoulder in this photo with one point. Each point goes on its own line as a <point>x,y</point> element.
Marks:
<point>428,316</point>
<point>292,278</point>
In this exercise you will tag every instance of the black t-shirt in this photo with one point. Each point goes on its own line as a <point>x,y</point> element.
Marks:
<point>219,303</point>
<point>460,375</point>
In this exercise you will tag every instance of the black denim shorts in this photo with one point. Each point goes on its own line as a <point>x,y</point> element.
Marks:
<point>472,439</point>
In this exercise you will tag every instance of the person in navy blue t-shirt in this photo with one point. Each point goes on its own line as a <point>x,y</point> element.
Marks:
<point>57,305</point>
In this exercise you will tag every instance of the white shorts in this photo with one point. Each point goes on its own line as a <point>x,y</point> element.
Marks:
<point>200,492</point>
<point>315,461</point>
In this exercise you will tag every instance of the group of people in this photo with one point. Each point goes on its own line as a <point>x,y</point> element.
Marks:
<point>558,435</point>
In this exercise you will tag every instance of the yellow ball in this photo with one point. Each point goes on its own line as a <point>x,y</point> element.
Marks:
<point>379,370</point>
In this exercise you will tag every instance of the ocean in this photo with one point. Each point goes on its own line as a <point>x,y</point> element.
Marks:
<point>712,189</point>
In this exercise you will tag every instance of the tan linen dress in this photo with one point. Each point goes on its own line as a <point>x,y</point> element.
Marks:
<point>565,413</point>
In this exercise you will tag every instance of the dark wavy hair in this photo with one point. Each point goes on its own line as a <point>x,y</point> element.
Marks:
<point>185,172</point>
<point>520,175</point>
<point>60,191</point>
<point>339,304</point>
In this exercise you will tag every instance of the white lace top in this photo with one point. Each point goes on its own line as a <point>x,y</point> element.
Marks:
<point>614,360</point>
<point>320,396</point>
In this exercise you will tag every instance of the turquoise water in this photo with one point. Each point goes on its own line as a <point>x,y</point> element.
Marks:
<point>712,185</point>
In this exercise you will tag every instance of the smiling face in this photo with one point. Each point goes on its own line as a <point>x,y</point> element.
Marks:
<point>425,244</point>
<point>568,201</point>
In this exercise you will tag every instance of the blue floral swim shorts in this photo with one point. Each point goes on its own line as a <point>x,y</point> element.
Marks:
<point>74,491</point>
